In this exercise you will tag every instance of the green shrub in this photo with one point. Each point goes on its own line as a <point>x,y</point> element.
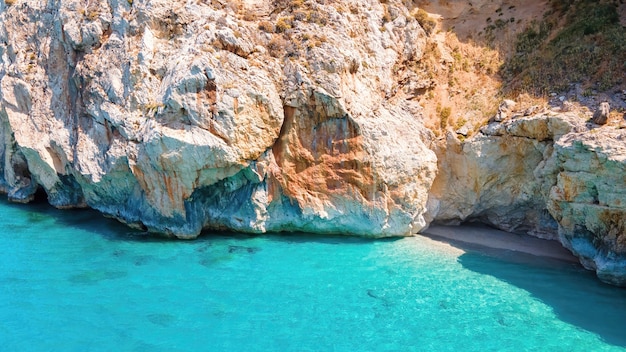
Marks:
<point>444,115</point>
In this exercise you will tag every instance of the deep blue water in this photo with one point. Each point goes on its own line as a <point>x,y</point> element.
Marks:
<point>73,281</point>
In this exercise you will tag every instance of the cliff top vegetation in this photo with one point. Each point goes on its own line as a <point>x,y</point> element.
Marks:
<point>537,53</point>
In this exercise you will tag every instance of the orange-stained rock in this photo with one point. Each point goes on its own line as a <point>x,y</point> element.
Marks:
<point>175,117</point>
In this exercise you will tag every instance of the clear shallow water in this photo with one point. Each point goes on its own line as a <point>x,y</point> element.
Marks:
<point>72,281</point>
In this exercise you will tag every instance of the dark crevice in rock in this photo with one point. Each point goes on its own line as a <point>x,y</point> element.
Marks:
<point>67,194</point>
<point>281,141</point>
<point>40,196</point>
<point>212,206</point>
<point>24,188</point>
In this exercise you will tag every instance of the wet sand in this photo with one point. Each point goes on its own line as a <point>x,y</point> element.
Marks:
<point>480,235</point>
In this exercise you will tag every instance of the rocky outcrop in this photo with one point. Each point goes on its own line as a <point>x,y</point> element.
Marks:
<point>502,176</point>
<point>175,116</point>
<point>546,175</point>
<point>589,200</point>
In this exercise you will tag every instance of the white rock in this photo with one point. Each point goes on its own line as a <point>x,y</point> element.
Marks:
<point>174,120</point>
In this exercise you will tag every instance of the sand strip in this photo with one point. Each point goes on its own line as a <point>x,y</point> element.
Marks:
<point>488,237</point>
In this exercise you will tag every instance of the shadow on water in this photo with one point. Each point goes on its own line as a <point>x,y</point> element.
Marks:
<point>576,296</point>
<point>93,221</point>
<point>82,219</point>
<point>212,249</point>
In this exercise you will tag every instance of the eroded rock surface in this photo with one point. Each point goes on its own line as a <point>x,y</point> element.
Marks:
<point>589,200</point>
<point>546,175</point>
<point>176,116</point>
<point>502,175</point>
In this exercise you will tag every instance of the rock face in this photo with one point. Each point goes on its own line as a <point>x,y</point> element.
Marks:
<point>175,116</point>
<point>546,175</point>
<point>589,200</point>
<point>502,176</point>
<point>503,110</point>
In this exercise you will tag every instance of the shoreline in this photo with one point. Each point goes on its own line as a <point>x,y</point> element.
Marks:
<point>482,236</point>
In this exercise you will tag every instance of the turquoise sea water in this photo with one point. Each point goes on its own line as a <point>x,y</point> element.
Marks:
<point>72,281</point>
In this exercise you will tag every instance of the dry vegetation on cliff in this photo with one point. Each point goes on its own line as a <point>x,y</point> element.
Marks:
<point>485,51</point>
<point>579,42</point>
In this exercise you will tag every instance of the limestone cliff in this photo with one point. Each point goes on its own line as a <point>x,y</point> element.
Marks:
<point>176,116</point>
<point>589,200</point>
<point>549,175</point>
<point>260,116</point>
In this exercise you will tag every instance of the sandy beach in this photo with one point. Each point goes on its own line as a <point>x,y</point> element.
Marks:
<point>480,235</point>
